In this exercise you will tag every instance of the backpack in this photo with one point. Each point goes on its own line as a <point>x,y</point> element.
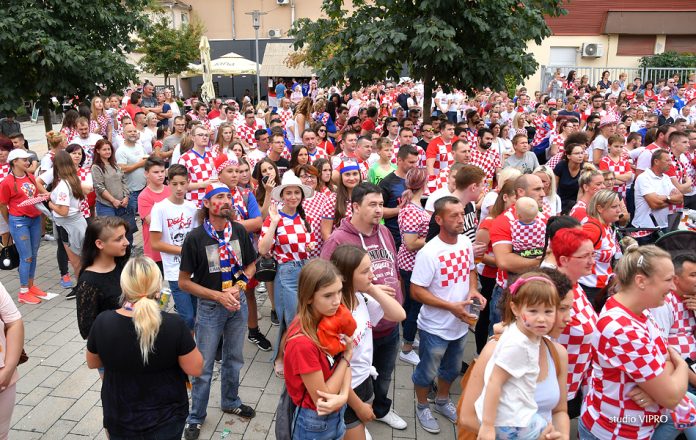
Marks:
<point>462,432</point>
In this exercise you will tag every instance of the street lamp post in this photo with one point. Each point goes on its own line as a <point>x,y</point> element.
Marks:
<point>256,23</point>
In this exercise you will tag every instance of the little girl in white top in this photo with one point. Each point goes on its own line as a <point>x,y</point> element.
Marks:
<point>506,407</point>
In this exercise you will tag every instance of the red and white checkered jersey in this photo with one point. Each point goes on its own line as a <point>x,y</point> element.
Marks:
<point>319,153</point>
<point>313,208</point>
<point>285,116</point>
<point>577,338</point>
<point>85,175</point>
<point>557,139</point>
<point>555,159</point>
<point>200,168</point>
<point>364,167</point>
<point>526,240</point>
<point>604,253</point>
<point>622,166</point>
<point>579,211</point>
<point>629,350</point>
<point>121,113</point>
<point>487,160</point>
<point>292,240</point>
<point>690,94</point>
<point>472,138</point>
<point>412,219</point>
<point>246,133</point>
<point>543,127</point>
<point>4,171</point>
<point>441,151</point>
<point>437,181</point>
<point>70,134</point>
<point>680,324</point>
<point>328,212</point>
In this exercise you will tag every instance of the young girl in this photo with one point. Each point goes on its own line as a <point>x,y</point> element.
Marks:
<point>223,141</point>
<point>506,407</point>
<point>384,165</point>
<point>265,168</point>
<point>338,206</point>
<point>618,163</point>
<point>317,382</point>
<point>105,252</point>
<point>324,184</point>
<point>368,304</point>
<point>65,203</point>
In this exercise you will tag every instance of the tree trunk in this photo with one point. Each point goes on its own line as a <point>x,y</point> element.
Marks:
<point>46,110</point>
<point>166,80</point>
<point>427,96</point>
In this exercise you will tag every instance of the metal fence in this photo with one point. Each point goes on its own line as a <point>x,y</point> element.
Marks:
<point>594,74</point>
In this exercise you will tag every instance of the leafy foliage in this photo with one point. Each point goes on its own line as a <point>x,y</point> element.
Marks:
<point>66,47</point>
<point>466,44</point>
<point>169,51</point>
<point>668,59</point>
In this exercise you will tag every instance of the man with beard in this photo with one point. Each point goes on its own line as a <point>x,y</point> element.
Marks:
<point>484,157</point>
<point>217,261</point>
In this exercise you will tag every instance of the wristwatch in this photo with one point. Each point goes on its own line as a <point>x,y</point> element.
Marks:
<point>669,199</point>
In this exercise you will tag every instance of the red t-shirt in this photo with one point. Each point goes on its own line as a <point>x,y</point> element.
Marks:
<point>213,114</point>
<point>368,124</point>
<point>14,191</point>
<point>146,200</point>
<point>302,356</point>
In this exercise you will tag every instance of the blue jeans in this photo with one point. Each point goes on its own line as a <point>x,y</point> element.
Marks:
<point>494,309</point>
<point>26,233</point>
<point>667,430</point>
<point>172,430</point>
<point>285,296</point>
<point>133,206</point>
<point>308,425</point>
<point>384,360</point>
<point>184,304</point>
<point>584,433</point>
<point>438,357</point>
<point>213,322</point>
<point>412,308</point>
<point>126,214</point>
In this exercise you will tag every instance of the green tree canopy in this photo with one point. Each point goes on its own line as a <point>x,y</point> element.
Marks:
<point>66,47</point>
<point>167,51</point>
<point>466,44</point>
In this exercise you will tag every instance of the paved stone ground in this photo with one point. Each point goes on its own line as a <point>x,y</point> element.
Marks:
<point>58,397</point>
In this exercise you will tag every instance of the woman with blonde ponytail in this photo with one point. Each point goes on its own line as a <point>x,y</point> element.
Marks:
<point>146,355</point>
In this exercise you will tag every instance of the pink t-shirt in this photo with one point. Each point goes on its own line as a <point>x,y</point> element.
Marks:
<point>8,314</point>
<point>146,200</point>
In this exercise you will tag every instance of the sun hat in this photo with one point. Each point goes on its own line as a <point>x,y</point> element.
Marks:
<point>608,119</point>
<point>290,179</point>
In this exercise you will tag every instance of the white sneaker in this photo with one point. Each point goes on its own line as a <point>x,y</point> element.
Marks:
<point>392,419</point>
<point>416,343</point>
<point>367,434</point>
<point>48,237</point>
<point>410,358</point>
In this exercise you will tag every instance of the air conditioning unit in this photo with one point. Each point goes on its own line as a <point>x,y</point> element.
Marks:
<point>274,33</point>
<point>592,50</point>
<point>283,2</point>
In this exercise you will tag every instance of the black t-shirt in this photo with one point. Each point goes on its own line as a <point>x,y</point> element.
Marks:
<point>138,398</point>
<point>95,293</point>
<point>567,187</point>
<point>470,224</point>
<point>283,165</point>
<point>392,187</point>
<point>200,255</point>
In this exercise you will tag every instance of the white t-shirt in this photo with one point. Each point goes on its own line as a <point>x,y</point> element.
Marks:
<point>367,314</point>
<point>46,163</point>
<point>434,197</point>
<point>518,356</point>
<point>649,183</point>
<point>87,147</point>
<point>146,138</point>
<point>62,195</point>
<point>488,201</point>
<point>600,143</point>
<point>47,178</point>
<point>554,203</point>
<point>444,270</point>
<point>174,222</point>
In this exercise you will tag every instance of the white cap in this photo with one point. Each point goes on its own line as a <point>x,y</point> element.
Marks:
<point>18,153</point>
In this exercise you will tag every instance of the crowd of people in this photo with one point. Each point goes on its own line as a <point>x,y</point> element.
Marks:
<point>380,233</point>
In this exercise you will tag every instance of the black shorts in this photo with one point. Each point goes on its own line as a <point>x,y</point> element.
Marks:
<point>366,393</point>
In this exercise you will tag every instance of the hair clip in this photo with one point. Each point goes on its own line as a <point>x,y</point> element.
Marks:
<point>522,281</point>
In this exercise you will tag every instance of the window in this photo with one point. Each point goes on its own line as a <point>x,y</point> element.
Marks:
<point>681,43</point>
<point>184,19</point>
<point>631,45</point>
<point>563,56</point>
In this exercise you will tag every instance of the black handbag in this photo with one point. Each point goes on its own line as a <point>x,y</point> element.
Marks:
<point>9,257</point>
<point>266,269</point>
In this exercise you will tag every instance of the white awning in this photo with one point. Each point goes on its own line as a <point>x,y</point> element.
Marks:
<point>230,64</point>
<point>274,62</point>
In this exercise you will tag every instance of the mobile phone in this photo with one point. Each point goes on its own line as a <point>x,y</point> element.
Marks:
<point>264,180</point>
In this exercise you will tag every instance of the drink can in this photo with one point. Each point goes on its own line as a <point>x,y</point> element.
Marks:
<point>165,295</point>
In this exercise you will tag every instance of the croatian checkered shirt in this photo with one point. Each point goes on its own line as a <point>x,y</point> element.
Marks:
<point>441,151</point>
<point>579,211</point>
<point>555,160</point>
<point>629,350</point>
<point>285,116</point>
<point>472,138</point>
<point>680,335</point>
<point>84,174</point>
<point>577,338</point>
<point>412,219</point>
<point>313,209</point>
<point>291,238</point>
<point>4,171</point>
<point>487,160</point>
<point>200,168</point>
<point>543,127</point>
<point>438,181</point>
<point>246,133</point>
<point>604,253</point>
<point>328,212</point>
<point>623,166</point>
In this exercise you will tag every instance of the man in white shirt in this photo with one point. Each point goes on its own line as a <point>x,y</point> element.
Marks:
<point>131,158</point>
<point>442,281</point>
<point>216,122</point>
<point>507,115</point>
<point>655,195</point>
<point>146,135</point>
<point>86,140</point>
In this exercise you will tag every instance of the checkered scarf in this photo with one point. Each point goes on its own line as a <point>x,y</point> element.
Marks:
<point>230,265</point>
<point>238,202</point>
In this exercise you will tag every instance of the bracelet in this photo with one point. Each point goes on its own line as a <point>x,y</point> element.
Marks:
<point>242,285</point>
<point>347,362</point>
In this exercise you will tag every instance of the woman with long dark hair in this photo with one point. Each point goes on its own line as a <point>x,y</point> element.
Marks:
<point>338,204</point>
<point>104,253</point>
<point>324,183</point>
<point>299,156</point>
<point>266,168</point>
<point>69,128</point>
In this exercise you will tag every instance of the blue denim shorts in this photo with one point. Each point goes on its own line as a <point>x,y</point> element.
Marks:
<point>310,425</point>
<point>438,357</point>
<point>530,432</point>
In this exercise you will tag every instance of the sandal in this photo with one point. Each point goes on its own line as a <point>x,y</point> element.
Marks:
<point>279,370</point>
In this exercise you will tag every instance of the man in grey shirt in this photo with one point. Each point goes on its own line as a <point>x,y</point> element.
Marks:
<point>523,159</point>
<point>174,139</point>
<point>131,157</point>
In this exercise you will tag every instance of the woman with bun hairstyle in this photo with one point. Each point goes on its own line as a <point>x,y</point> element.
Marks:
<point>317,382</point>
<point>631,356</point>
<point>368,304</point>
<point>590,182</point>
<point>146,355</point>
